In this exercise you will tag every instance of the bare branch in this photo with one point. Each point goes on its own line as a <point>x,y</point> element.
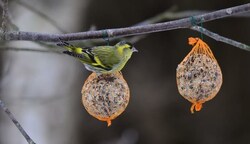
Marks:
<point>8,18</point>
<point>128,31</point>
<point>29,50</point>
<point>171,14</point>
<point>217,37</point>
<point>18,125</point>
<point>167,15</point>
<point>4,15</point>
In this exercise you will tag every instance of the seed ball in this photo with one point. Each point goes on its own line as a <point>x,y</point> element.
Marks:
<point>199,79</point>
<point>105,96</point>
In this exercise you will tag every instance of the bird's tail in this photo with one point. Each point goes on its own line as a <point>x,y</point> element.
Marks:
<point>69,47</point>
<point>80,56</point>
<point>77,52</point>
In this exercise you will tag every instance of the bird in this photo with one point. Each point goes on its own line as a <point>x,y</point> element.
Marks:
<point>101,59</point>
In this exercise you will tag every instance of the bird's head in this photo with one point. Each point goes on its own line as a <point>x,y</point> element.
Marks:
<point>125,48</point>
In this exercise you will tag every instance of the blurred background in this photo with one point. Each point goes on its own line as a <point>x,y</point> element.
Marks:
<point>43,89</point>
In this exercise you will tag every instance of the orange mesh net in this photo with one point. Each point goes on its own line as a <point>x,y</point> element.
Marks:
<point>200,47</point>
<point>198,76</point>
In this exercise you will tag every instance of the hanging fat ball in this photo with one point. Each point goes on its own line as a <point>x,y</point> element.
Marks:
<point>105,96</point>
<point>199,77</point>
<point>101,59</point>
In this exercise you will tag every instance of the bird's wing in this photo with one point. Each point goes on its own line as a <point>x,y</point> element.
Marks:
<point>101,56</point>
<point>105,56</point>
<point>83,54</point>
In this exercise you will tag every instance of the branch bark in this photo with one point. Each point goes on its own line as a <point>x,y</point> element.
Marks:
<point>18,125</point>
<point>7,17</point>
<point>4,15</point>
<point>217,37</point>
<point>29,50</point>
<point>127,31</point>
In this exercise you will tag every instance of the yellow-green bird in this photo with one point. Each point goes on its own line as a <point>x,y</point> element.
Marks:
<point>101,59</point>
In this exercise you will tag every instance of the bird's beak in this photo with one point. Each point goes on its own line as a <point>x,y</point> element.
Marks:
<point>134,49</point>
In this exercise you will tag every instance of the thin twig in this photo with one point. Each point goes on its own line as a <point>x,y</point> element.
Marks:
<point>128,31</point>
<point>217,37</point>
<point>168,15</point>
<point>171,14</point>
<point>29,50</point>
<point>18,125</point>
<point>4,15</point>
<point>42,15</point>
<point>10,25</point>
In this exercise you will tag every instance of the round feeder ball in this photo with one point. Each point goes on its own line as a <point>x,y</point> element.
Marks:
<point>105,96</point>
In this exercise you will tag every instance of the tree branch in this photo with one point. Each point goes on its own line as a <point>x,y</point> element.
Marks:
<point>18,125</point>
<point>7,17</point>
<point>4,15</point>
<point>29,50</point>
<point>171,14</point>
<point>128,31</point>
<point>217,37</point>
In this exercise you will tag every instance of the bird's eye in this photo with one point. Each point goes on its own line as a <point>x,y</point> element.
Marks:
<point>126,48</point>
<point>130,44</point>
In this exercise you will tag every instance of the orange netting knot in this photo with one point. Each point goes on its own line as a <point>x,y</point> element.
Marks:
<point>192,41</point>
<point>196,106</point>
